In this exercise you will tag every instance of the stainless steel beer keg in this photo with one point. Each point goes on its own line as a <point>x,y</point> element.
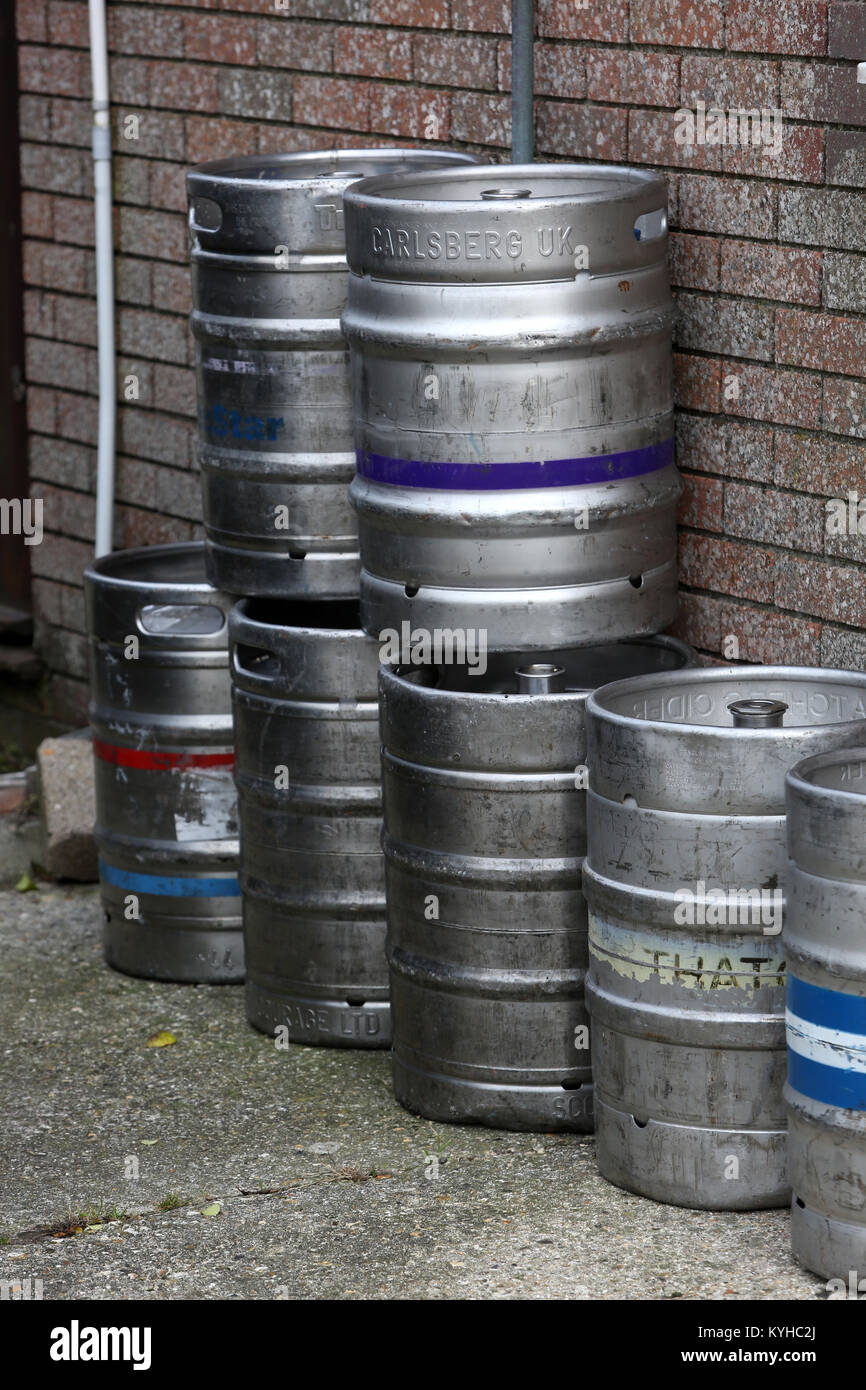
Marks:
<point>825,947</point>
<point>485,811</point>
<point>510,331</point>
<point>275,426</point>
<point>685,880</point>
<point>309,791</point>
<point>166,809</point>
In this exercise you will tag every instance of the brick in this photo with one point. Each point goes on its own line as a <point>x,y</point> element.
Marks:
<point>697,382</point>
<point>143,372</point>
<point>131,181</point>
<point>847,31</point>
<point>426,14</point>
<point>785,26</point>
<point>783,397</point>
<point>637,79</point>
<point>572,19</point>
<point>846,157</point>
<point>34,117</point>
<point>179,494</point>
<point>171,288</point>
<point>137,482</point>
<point>732,448</point>
<point>830,92</point>
<point>734,208</point>
<point>786,519</point>
<point>727,567</point>
<point>353,10</point>
<point>823,217</point>
<point>160,235</point>
<point>698,622</point>
<point>168,187</point>
<point>681,23</point>
<point>73,220</point>
<point>71,123</point>
<point>37,215</point>
<point>31,21</point>
<point>822,589</point>
<point>728,82</point>
<point>701,503</point>
<point>57,72</point>
<point>39,313</point>
<point>695,261</point>
<point>130,80</point>
<point>331,101</point>
<point>175,389</point>
<point>378,53</point>
<point>62,462</point>
<point>304,47</point>
<point>60,557</point>
<point>559,70</point>
<point>796,154</point>
<point>725,327</point>
<point>583,132</point>
<point>419,113</point>
<point>262,95</point>
<point>68,512</point>
<point>77,417</point>
<point>131,281</point>
<point>771,638</point>
<point>455,60</point>
<point>654,138</point>
<point>57,364</point>
<point>844,282</point>
<point>155,33</point>
<point>41,409</point>
<point>163,337</point>
<point>163,438</point>
<point>186,87</point>
<point>54,267</point>
<point>75,320</point>
<point>219,39</point>
<point>482,16</point>
<point>843,650</point>
<point>845,407</point>
<point>484,120</point>
<point>771,272</point>
<point>55,170</point>
<point>824,342</point>
<point>68,24</point>
<point>135,527</point>
<point>815,464</point>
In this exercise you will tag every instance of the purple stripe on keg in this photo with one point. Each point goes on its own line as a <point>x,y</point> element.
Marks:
<point>528,473</point>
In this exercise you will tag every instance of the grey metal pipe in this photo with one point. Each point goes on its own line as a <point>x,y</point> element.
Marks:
<point>522,80</point>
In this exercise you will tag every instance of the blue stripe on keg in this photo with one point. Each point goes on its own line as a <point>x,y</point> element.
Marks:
<point>827,1007</point>
<point>826,1033</point>
<point>163,887</point>
<point>525,473</point>
<point>846,1090</point>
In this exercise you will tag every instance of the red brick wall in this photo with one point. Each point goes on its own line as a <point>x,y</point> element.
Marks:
<point>769,257</point>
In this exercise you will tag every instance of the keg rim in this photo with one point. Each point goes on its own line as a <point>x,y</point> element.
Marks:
<point>799,778</point>
<point>384,191</point>
<point>599,709</point>
<point>233,170</point>
<point>119,568</point>
<point>399,674</point>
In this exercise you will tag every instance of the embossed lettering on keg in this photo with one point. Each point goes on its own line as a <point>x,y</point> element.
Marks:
<point>484,838</point>
<point>309,790</point>
<point>510,332</point>
<point>166,808</point>
<point>274,402</point>
<point>685,880</point>
<point>825,947</point>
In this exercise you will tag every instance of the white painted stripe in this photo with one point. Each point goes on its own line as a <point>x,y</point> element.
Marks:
<point>829,1046</point>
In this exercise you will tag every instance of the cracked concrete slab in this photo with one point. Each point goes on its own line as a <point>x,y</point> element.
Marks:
<point>327,1188</point>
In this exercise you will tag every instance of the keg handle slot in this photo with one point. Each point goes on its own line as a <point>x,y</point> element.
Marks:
<point>205,215</point>
<point>250,661</point>
<point>757,714</point>
<point>650,226</point>
<point>180,619</point>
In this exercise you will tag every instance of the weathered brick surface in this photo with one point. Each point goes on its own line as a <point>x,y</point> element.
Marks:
<point>767,253</point>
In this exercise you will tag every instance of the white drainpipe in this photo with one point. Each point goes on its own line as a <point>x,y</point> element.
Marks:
<point>104,278</point>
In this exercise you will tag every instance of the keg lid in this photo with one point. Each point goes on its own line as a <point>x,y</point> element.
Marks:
<point>254,203</point>
<point>507,222</point>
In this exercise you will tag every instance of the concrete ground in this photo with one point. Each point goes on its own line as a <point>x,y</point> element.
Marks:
<point>320,1178</point>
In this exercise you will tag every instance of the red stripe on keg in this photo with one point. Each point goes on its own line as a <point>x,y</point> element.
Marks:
<point>156,761</point>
